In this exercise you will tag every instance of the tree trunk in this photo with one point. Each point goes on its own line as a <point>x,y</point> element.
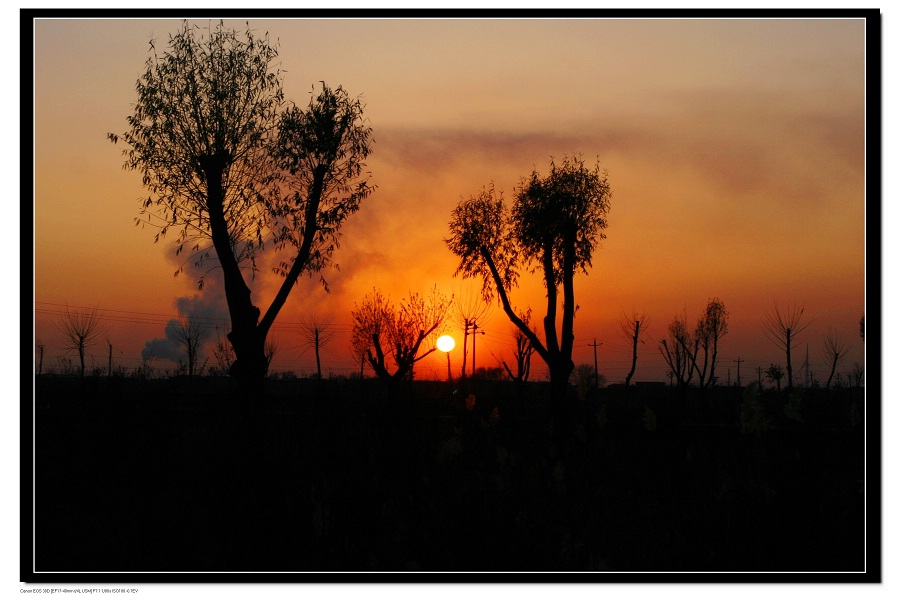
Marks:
<point>790,371</point>
<point>637,333</point>
<point>249,367</point>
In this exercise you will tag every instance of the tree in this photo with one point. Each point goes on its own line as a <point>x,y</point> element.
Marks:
<point>271,350</point>
<point>229,169</point>
<point>682,351</point>
<point>316,335</point>
<point>190,334</point>
<point>80,329</point>
<point>857,374</point>
<point>634,329</point>
<point>468,311</point>
<point>784,328</point>
<point>523,352</point>
<point>711,327</point>
<point>553,227</point>
<point>40,349</point>
<point>774,373</point>
<point>678,351</point>
<point>381,331</point>
<point>833,350</point>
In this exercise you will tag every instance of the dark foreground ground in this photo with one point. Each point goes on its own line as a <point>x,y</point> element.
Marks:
<point>173,475</point>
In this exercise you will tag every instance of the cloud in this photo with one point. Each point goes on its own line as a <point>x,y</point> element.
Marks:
<point>207,307</point>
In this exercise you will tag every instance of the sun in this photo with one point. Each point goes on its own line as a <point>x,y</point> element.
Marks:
<point>446,343</point>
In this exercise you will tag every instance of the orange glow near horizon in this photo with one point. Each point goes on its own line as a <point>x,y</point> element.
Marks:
<point>735,152</point>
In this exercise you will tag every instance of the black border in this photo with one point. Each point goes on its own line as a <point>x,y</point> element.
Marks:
<point>873,179</point>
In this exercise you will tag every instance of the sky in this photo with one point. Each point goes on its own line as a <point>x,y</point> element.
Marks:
<point>735,150</point>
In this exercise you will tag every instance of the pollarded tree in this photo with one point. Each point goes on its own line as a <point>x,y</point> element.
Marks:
<point>382,331</point>
<point>80,329</point>
<point>316,335</point>
<point>190,334</point>
<point>711,328</point>
<point>229,169</point>
<point>678,350</point>
<point>634,329</point>
<point>784,329</point>
<point>833,350</point>
<point>553,227</point>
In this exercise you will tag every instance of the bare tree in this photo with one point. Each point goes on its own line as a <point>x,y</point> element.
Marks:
<point>784,329</point>
<point>382,331</point>
<point>833,350</point>
<point>553,228</point>
<point>271,351</point>
<point>315,335</point>
<point>190,334</point>
<point>222,352</point>
<point>468,311</point>
<point>80,329</point>
<point>523,352</point>
<point>634,329</point>
<point>678,351</point>
<point>40,348</point>
<point>711,327</point>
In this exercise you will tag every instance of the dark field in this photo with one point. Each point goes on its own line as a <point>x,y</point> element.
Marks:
<point>172,475</point>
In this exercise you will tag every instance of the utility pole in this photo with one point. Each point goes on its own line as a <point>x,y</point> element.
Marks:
<point>739,360</point>
<point>109,373</point>
<point>759,376</point>
<point>596,370</point>
<point>474,331</point>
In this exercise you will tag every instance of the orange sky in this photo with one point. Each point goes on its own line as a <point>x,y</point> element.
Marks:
<point>735,151</point>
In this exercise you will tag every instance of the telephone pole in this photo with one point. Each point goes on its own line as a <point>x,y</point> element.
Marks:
<point>596,370</point>
<point>474,331</point>
<point>739,360</point>
<point>759,376</point>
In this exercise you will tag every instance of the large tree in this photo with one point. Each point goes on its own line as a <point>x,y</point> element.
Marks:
<point>552,228</point>
<point>231,169</point>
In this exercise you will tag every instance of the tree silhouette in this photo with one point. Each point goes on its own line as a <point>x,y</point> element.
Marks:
<point>774,373</point>
<point>523,352</point>
<point>382,331</point>
<point>190,335</point>
<point>316,336</point>
<point>711,327</point>
<point>467,312</point>
<point>634,329</point>
<point>833,350</point>
<point>678,351</point>
<point>80,329</point>
<point>40,348</point>
<point>229,169</point>
<point>552,228</point>
<point>857,374</point>
<point>784,328</point>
